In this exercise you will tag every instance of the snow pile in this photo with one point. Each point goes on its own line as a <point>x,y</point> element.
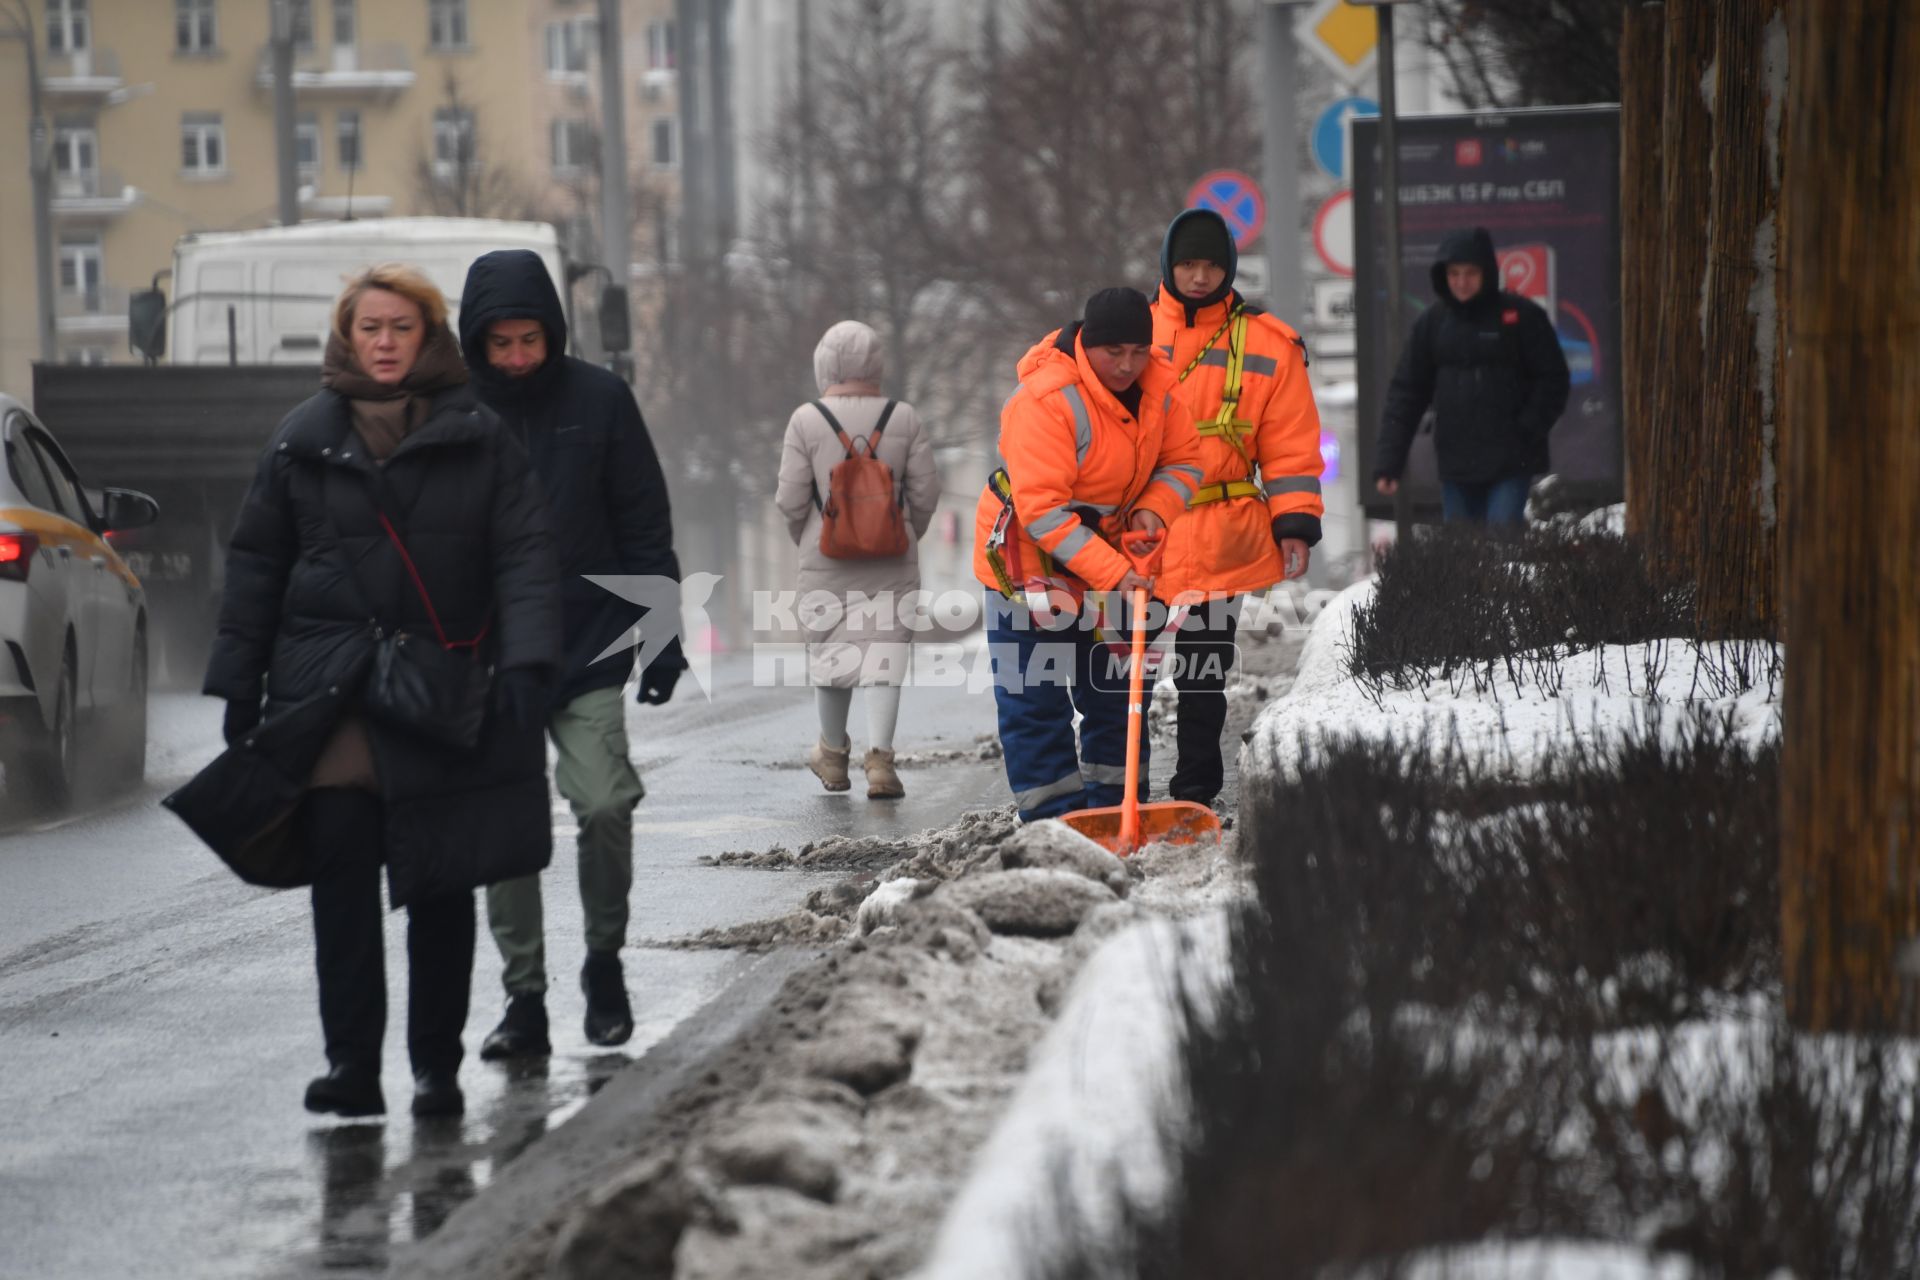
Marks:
<point>827,1140</point>
<point>1084,1131</point>
<point>1606,691</point>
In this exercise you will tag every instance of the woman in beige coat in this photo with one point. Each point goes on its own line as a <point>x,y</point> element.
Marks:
<point>858,615</point>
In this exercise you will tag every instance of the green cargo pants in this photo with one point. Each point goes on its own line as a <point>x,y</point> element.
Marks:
<point>598,780</point>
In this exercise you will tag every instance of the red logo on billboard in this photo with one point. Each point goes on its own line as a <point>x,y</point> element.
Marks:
<point>1528,270</point>
<point>1466,153</point>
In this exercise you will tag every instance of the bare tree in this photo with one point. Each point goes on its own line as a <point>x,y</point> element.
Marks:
<point>1082,141</point>
<point>1529,53</point>
<point>461,180</point>
<point>861,226</point>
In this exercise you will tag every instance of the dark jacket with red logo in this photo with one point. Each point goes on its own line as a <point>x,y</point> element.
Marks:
<point>1491,368</point>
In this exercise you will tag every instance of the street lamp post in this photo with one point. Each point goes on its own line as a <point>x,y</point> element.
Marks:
<point>39,166</point>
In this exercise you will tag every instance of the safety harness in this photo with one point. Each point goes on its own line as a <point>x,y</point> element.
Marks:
<point>1226,424</point>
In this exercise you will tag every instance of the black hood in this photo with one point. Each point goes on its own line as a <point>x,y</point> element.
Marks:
<point>1474,246</point>
<point>1166,264</point>
<point>510,284</point>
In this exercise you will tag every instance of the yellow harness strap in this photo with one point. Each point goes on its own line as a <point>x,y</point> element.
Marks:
<point>1221,492</point>
<point>1225,425</point>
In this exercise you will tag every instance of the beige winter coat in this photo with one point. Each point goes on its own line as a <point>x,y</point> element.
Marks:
<point>849,645</point>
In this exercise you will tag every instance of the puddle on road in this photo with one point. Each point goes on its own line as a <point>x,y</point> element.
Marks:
<point>385,1185</point>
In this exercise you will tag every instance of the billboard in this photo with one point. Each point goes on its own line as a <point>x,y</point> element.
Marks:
<point>1545,184</point>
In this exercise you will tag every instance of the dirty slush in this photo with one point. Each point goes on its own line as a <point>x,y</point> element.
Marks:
<point>829,1138</point>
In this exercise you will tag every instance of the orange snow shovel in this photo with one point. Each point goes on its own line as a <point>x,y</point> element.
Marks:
<point>1127,826</point>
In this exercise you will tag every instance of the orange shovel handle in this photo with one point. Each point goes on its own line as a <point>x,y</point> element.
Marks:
<point>1136,718</point>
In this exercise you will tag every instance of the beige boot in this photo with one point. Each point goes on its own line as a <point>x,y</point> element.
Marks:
<point>883,781</point>
<point>829,764</point>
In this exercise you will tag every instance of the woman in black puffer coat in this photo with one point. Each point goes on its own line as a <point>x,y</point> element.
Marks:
<point>313,789</point>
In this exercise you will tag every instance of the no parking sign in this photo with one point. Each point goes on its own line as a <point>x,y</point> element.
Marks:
<point>1235,197</point>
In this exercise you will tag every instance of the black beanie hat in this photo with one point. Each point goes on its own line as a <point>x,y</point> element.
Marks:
<point>1200,238</point>
<point>1117,316</point>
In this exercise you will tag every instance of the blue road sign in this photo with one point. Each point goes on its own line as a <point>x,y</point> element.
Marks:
<point>1330,134</point>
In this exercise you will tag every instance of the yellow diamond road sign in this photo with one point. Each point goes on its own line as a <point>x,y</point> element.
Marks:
<point>1344,35</point>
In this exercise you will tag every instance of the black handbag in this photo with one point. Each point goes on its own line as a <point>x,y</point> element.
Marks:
<point>432,687</point>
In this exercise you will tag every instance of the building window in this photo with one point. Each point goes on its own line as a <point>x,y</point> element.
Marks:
<point>76,159</point>
<point>69,29</point>
<point>447,24</point>
<point>665,135</point>
<point>346,24</point>
<point>306,144</point>
<point>567,45</point>
<point>81,268</point>
<point>203,145</point>
<point>347,134</point>
<point>195,29</point>
<point>661,53</point>
<point>453,140</point>
<point>301,13</point>
<point>85,355</point>
<point>574,146</point>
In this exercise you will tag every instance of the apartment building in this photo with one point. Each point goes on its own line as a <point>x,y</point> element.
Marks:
<point>563,47</point>
<point>160,121</point>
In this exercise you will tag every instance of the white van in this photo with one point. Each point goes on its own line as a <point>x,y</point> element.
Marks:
<point>266,297</point>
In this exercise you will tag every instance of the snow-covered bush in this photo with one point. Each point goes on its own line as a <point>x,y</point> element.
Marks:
<point>1462,606</point>
<point>1537,1011</point>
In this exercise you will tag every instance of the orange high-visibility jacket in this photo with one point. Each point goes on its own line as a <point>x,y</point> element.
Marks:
<point>1068,442</point>
<point>1226,547</point>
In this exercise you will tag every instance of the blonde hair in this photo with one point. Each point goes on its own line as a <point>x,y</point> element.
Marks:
<point>410,283</point>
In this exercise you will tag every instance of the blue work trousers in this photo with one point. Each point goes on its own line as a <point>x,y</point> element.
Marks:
<point>1040,679</point>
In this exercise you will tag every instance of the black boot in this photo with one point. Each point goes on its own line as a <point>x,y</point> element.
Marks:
<point>609,1016</point>
<point>347,1091</point>
<point>522,1032</point>
<point>437,1093</point>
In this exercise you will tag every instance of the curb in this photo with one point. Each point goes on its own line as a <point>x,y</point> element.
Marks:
<point>508,1229</point>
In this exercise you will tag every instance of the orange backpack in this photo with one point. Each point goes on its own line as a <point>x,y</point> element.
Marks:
<point>861,519</point>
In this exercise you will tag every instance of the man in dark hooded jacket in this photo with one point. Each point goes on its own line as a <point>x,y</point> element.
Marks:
<point>607,503</point>
<point>1490,365</point>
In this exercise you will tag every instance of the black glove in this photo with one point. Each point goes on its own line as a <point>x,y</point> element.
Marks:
<point>660,675</point>
<point>521,697</point>
<point>243,716</point>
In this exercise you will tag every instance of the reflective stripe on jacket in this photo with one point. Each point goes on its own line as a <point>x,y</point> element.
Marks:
<point>1069,443</point>
<point>1226,547</point>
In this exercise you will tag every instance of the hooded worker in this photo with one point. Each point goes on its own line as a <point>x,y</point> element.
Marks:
<point>1096,444</point>
<point>608,508</point>
<point>1489,363</point>
<point>1243,376</point>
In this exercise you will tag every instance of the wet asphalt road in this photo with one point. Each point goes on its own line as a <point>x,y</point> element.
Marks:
<point>157,1017</point>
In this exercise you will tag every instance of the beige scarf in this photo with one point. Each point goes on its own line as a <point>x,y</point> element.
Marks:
<point>385,412</point>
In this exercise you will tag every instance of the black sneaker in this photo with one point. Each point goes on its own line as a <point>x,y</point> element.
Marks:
<point>522,1032</point>
<point>347,1091</point>
<point>437,1093</point>
<point>609,1016</point>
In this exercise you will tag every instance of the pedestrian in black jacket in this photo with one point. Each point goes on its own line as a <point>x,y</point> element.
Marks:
<point>316,584</point>
<point>1491,367</point>
<point>610,516</point>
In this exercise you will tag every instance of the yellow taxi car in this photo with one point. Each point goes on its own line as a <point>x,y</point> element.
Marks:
<point>73,621</point>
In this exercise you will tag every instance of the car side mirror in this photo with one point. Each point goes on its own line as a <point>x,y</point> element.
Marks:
<point>123,509</point>
<point>616,327</point>
<point>147,323</point>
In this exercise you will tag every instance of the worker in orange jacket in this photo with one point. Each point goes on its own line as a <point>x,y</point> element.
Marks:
<point>1243,376</point>
<point>1095,445</point>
